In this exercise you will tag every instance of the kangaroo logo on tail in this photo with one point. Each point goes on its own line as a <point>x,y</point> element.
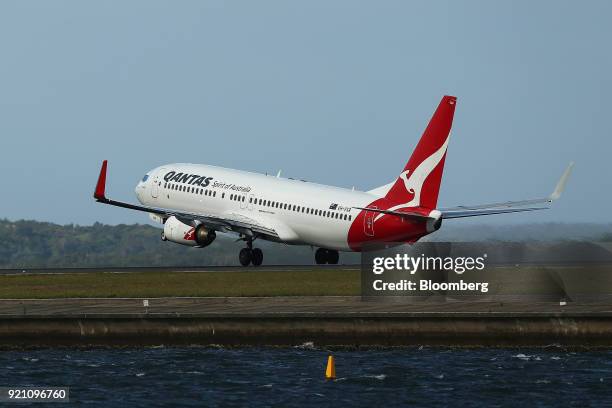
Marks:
<point>419,183</point>
<point>414,183</point>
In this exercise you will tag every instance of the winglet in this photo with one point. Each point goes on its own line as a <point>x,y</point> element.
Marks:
<point>561,183</point>
<point>101,186</point>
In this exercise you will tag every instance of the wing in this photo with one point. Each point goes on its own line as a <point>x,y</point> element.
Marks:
<point>229,223</point>
<point>509,206</point>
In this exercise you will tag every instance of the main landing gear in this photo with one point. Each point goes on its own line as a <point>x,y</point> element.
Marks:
<point>326,256</point>
<point>250,255</point>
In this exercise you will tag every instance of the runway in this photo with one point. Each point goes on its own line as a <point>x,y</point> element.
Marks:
<point>174,269</point>
<point>500,320</point>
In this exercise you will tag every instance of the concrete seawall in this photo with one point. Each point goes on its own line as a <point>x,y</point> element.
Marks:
<point>294,321</point>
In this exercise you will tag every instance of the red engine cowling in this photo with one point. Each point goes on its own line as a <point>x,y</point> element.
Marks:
<point>184,234</point>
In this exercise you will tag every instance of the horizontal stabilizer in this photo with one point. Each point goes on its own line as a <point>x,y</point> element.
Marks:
<point>406,214</point>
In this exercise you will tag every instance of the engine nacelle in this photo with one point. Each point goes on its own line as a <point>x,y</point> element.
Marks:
<point>184,234</point>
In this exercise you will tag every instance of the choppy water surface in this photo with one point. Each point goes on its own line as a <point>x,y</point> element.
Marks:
<point>288,377</point>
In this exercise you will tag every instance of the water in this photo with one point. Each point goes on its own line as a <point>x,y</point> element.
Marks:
<point>293,377</point>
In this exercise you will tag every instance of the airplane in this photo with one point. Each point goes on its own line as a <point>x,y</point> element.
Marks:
<point>194,202</point>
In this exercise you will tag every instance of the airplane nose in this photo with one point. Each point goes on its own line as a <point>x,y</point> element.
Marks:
<point>138,191</point>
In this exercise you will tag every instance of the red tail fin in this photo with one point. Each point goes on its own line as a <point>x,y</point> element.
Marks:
<point>418,185</point>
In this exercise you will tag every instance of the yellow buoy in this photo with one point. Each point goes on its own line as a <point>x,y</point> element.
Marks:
<point>330,371</point>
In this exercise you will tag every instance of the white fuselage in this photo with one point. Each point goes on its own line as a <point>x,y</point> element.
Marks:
<point>300,212</point>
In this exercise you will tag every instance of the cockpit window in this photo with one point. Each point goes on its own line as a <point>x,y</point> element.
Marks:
<point>146,176</point>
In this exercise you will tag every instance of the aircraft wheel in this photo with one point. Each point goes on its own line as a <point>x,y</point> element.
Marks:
<point>321,256</point>
<point>163,236</point>
<point>257,257</point>
<point>332,257</point>
<point>245,256</point>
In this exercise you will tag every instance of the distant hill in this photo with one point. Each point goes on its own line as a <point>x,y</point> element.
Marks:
<point>34,244</point>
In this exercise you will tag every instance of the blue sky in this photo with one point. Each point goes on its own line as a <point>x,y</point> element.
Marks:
<point>336,92</point>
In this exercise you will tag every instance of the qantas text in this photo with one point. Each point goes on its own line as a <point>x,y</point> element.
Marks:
<point>192,179</point>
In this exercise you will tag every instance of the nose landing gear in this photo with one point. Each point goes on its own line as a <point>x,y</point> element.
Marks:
<point>326,256</point>
<point>250,255</point>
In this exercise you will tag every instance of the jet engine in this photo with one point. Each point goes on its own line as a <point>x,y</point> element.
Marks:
<point>184,234</point>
